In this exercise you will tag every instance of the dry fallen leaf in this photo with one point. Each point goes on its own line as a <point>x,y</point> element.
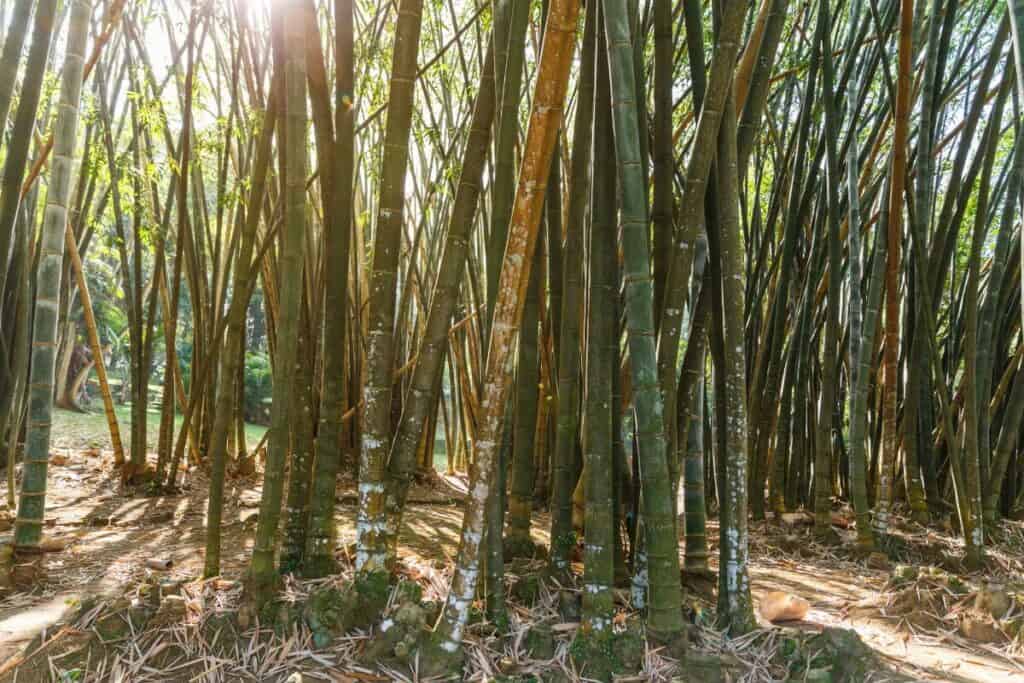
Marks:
<point>778,606</point>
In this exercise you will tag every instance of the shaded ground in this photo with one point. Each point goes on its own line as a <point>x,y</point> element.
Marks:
<point>109,536</point>
<point>110,540</point>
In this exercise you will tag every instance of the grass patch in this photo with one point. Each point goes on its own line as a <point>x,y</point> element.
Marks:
<point>89,430</point>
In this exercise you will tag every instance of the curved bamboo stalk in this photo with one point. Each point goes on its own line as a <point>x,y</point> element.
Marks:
<point>16,153</point>
<point>443,299</point>
<point>669,320</point>
<point>12,55</point>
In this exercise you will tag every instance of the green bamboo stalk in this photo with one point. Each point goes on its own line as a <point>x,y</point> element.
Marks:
<point>831,361</point>
<point>735,610</point>
<point>974,401</point>
<point>861,349</point>
<point>524,423</point>
<point>371,555</point>
<point>1006,444</point>
<point>1015,9</point>
<point>723,60</point>
<point>11,56</point>
<point>233,354</point>
<point>262,572</point>
<point>511,52</point>
<point>988,314</point>
<point>691,432</point>
<point>423,388</point>
<point>1007,438</point>
<point>894,233</point>
<point>664,617</point>
<point>16,153</point>
<point>567,410</point>
<point>602,342</point>
<point>12,401</point>
<point>321,538</point>
<point>768,361</point>
<point>28,527</point>
<point>300,470</point>
<point>662,153</point>
<point>139,387</point>
<point>752,108</point>
<point>922,198</point>
<point>520,504</point>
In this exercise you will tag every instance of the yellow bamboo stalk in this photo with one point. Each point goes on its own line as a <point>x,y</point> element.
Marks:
<point>94,342</point>
<point>741,81</point>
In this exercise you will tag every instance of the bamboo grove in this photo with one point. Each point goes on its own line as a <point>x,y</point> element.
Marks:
<point>635,266</point>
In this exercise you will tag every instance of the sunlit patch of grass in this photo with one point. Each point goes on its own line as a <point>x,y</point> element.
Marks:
<point>89,429</point>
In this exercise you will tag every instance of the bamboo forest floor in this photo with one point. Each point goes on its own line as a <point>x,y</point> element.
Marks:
<point>921,616</point>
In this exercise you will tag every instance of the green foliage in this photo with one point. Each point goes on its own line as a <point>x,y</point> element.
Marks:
<point>258,387</point>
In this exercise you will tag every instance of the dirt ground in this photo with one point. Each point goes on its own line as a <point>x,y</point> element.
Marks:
<point>113,540</point>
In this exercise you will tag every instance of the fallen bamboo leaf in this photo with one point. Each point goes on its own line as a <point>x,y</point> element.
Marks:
<point>160,563</point>
<point>53,545</point>
<point>778,606</point>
